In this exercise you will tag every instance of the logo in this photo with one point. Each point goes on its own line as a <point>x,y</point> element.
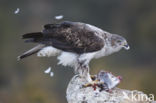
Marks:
<point>136,97</point>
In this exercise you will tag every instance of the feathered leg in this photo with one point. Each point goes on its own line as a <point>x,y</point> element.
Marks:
<point>83,70</point>
<point>82,66</point>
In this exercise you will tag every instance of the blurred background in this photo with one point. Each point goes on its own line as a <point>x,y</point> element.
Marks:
<point>26,82</point>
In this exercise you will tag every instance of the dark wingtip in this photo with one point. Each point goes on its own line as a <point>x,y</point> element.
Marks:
<point>32,35</point>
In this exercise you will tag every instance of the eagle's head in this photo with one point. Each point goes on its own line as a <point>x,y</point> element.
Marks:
<point>118,42</point>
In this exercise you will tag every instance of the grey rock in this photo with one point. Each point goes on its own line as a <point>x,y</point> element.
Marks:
<point>77,94</point>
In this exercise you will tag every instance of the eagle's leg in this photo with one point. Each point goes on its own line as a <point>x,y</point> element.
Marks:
<point>83,65</point>
<point>83,70</point>
<point>86,73</point>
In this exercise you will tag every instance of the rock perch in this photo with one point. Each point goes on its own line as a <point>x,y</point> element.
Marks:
<point>77,94</point>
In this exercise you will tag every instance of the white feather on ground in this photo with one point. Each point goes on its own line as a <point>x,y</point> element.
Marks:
<point>47,70</point>
<point>17,11</point>
<point>51,74</point>
<point>59,17</point>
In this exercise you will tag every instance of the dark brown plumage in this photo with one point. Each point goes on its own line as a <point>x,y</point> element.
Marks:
<point>67,36</point>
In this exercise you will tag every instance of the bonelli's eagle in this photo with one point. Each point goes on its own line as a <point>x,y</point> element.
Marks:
<point>74,43</point>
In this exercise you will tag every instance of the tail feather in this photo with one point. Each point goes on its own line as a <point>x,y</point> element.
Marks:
<point>32,35</point>
<point>29,40</point>
<point>31,51</point>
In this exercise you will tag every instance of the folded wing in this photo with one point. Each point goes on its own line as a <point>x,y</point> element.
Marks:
<point>68,36</point>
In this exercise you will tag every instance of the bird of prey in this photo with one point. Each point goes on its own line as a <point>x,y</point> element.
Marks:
<point>75,44</point>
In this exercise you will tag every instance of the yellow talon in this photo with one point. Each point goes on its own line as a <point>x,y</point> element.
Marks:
<point>93,83</point>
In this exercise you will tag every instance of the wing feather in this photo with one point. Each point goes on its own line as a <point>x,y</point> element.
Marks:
<point>70,36</point>
<point>73,36</point>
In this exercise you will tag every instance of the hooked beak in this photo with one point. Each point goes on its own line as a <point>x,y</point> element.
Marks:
<point>126,46</point>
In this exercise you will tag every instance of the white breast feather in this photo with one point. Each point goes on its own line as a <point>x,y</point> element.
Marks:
<point>67,59</point>
<point>87,57</point>
<point>48,51</point>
